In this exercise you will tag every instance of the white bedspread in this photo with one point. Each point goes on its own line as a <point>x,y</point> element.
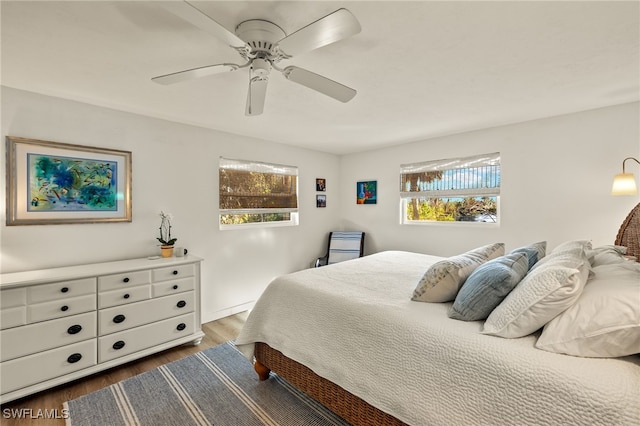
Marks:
<point>354,324</point>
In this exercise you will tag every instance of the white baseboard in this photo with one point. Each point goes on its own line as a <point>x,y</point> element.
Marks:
<point>216,315</point>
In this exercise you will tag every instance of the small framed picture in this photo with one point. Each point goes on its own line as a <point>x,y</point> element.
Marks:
<point>321,201</point>
<point>367,192</point>
<point>321,184</point>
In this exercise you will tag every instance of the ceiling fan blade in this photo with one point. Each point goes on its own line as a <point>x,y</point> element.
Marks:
<point>319,83</point>
<point>197,18</point>
<point>333,27</point>
<point>256,96</point>
<point>179,76</point>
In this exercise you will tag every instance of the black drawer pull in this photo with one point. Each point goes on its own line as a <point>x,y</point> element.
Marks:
<point>126,279</point>
<point>118,345</point>
<point>74,329</point>
<point>64,289</point>
<point>118,319</point>
<point>74,358</point>
<point>175,272</point>
<point>64,308</point>
<point>181,326</point>
<point>175,286</point>
<point>181,304</point>
<point>126,296</point>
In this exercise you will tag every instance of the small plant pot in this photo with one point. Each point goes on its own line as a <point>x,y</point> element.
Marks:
<point>166,251</point>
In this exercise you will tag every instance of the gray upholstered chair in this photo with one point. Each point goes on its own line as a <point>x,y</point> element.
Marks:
<point>342,246</point>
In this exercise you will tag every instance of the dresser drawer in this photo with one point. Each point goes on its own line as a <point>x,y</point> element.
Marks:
<point>173,272</point>
<point>13,297</point>
<point>61,308</point>
<point>106,299</point>
<point>120,318</point>
<point>136,339</point>
<point>32,369</point>
<point>13,317</point>
<point>174,286</point>
<point>61,290</point>
<point>120,281</point>
<point>27,340</point>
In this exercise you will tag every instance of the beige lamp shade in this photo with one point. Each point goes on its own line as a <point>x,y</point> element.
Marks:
<point>624,184</point>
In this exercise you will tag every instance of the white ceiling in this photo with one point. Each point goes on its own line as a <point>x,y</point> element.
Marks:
<point>421,68</point>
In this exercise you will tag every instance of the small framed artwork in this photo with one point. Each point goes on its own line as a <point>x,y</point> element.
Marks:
<point>321,201</point>
<point>367,192</point>
<point>55,183</point>
<point>321,184</point>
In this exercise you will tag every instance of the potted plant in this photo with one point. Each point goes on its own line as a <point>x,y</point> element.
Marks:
<point>166,249</point>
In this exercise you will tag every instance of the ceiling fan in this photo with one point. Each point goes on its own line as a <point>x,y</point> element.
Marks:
<point>263,44</point>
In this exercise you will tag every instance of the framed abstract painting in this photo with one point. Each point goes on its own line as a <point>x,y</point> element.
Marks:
<point>55,183</point>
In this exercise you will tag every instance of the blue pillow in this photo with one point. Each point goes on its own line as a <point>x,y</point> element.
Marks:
<point>535,251</point>
<point>488,285</point>
<point>532,255</point>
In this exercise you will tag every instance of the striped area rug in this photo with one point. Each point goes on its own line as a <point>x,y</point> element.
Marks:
<point>217,386</point>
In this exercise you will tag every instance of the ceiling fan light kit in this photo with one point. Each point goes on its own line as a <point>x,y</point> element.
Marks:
<point>263,44</point>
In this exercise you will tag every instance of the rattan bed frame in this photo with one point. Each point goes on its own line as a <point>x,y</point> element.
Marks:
<point>346,405</point>
<point>629,233</point>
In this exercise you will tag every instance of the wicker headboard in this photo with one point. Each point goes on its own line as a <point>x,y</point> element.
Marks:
<point>629,233</point>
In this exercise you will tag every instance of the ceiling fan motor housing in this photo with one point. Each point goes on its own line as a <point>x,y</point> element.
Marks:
<point>262,37</point>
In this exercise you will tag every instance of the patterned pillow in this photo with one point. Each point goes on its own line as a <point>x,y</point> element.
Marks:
<point>487,286</point>
<point>546,291</point>
<point>443,279</point>
<point>535,252</point>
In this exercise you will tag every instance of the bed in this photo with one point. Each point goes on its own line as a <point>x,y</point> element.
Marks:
<point>350,336</point>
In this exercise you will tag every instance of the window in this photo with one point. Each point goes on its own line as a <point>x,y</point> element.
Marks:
<point>451,190</point>
<point>257,193</point>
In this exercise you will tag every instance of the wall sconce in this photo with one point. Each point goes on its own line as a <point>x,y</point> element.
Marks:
<point>625,183</point>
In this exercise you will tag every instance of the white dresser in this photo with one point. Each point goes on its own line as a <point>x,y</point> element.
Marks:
<point>60,324</point>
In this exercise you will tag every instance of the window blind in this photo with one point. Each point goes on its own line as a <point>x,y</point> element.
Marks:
<point>458,177</point>
<point>250,187</point>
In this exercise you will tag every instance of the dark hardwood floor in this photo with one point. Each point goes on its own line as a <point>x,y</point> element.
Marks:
<point>43,404</point>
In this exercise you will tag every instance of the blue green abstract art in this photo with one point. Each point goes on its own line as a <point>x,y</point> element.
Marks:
<point>71,184</point>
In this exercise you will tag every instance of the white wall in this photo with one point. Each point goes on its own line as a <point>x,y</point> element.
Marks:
<point>556,178</point>
<point>556,183</point>
<point>175,169</point>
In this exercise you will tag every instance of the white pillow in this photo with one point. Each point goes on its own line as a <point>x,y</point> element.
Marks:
<point>570,245</point>
<point>606,255</point>
<point>605,320</point>
<point>569,256</point>
<point>443,279</point>
<point>546,291</point>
